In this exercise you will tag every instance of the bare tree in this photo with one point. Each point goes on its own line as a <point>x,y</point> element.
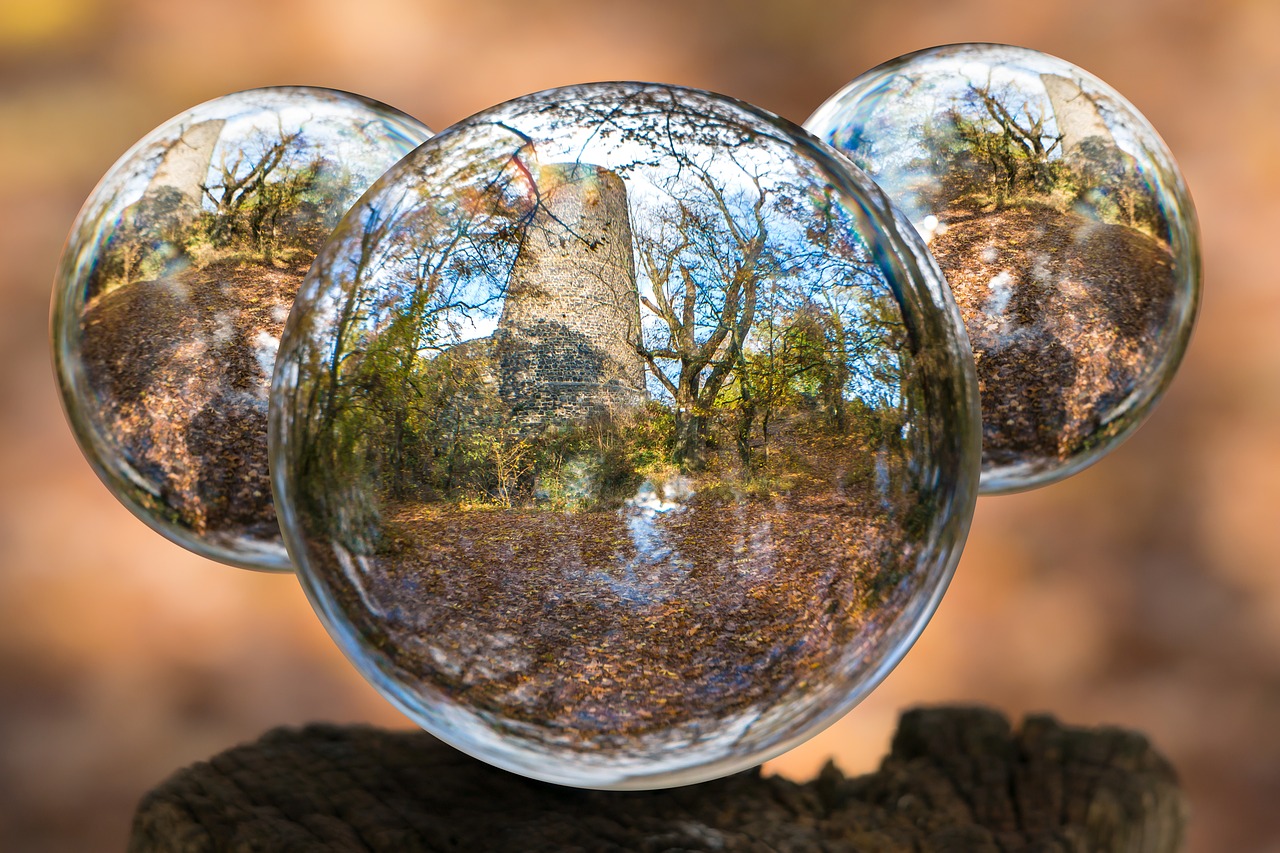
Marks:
<point>257,180</point>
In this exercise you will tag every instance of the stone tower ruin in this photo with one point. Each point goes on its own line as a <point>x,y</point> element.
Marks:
<point>1079,121</point>
<point>170,203</point>
<point>565,345</point>
<point>176,190</point>
<point>186,163</point>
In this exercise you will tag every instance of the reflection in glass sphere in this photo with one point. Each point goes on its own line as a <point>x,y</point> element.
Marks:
<point>1062,225</point>
<point>173,290</point>
<point>620,438</point>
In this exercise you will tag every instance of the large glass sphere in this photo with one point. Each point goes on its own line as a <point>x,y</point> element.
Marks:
<point>1063,227</point>
<point>622,437</point>
<point>173,290</point>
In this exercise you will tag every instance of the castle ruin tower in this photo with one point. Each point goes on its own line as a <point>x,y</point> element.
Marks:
<point>566,340</point>
<point>185,166</point>
<point>171,201</point>
<point>176,190</point>
<point>1079,121</point>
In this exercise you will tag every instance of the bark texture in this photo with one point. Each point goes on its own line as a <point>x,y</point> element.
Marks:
<point>957,779</point>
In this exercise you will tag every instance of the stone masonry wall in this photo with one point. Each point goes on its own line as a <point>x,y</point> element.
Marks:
<point>185,166</point>
<point>1076,114</point>
<point>566,341</point>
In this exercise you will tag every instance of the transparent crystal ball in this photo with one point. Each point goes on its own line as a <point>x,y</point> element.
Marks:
<point>623,437</point>
<point>1063,227</point>
<point>173,290</point>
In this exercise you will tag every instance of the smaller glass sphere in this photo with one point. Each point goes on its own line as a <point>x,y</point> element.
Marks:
<point>1063,227</point>
<point>622,437</point>
<point>173,290</point>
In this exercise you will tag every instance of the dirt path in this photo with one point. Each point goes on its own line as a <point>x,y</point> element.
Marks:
<point>607,630</point>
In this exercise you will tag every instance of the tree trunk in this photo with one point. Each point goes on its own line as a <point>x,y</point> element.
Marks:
<point>691,439</point>
<point>957,779</point>
<point>746,419</point>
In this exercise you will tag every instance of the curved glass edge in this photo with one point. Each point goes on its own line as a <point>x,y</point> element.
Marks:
<point>1185,234</point>
<point>930,289</point>
<point>64,308</point>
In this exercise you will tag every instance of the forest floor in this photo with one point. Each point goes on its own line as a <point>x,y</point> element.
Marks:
<point>669,616</point>
<point>180,367</point>
<point>1066,316</point>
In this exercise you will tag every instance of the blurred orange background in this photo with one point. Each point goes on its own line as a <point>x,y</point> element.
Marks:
<point>1144,592</point>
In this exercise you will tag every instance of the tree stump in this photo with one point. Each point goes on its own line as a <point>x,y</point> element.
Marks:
<point>957,779</point>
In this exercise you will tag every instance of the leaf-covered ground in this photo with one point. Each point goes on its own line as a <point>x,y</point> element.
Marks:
<point>180,368</point>
<point>1065,315</point>
<point>608,629</point>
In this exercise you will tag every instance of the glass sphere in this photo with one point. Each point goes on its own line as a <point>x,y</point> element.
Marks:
<point>173,290</point>
<point>1063,227</point>
<point>622,438</point>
